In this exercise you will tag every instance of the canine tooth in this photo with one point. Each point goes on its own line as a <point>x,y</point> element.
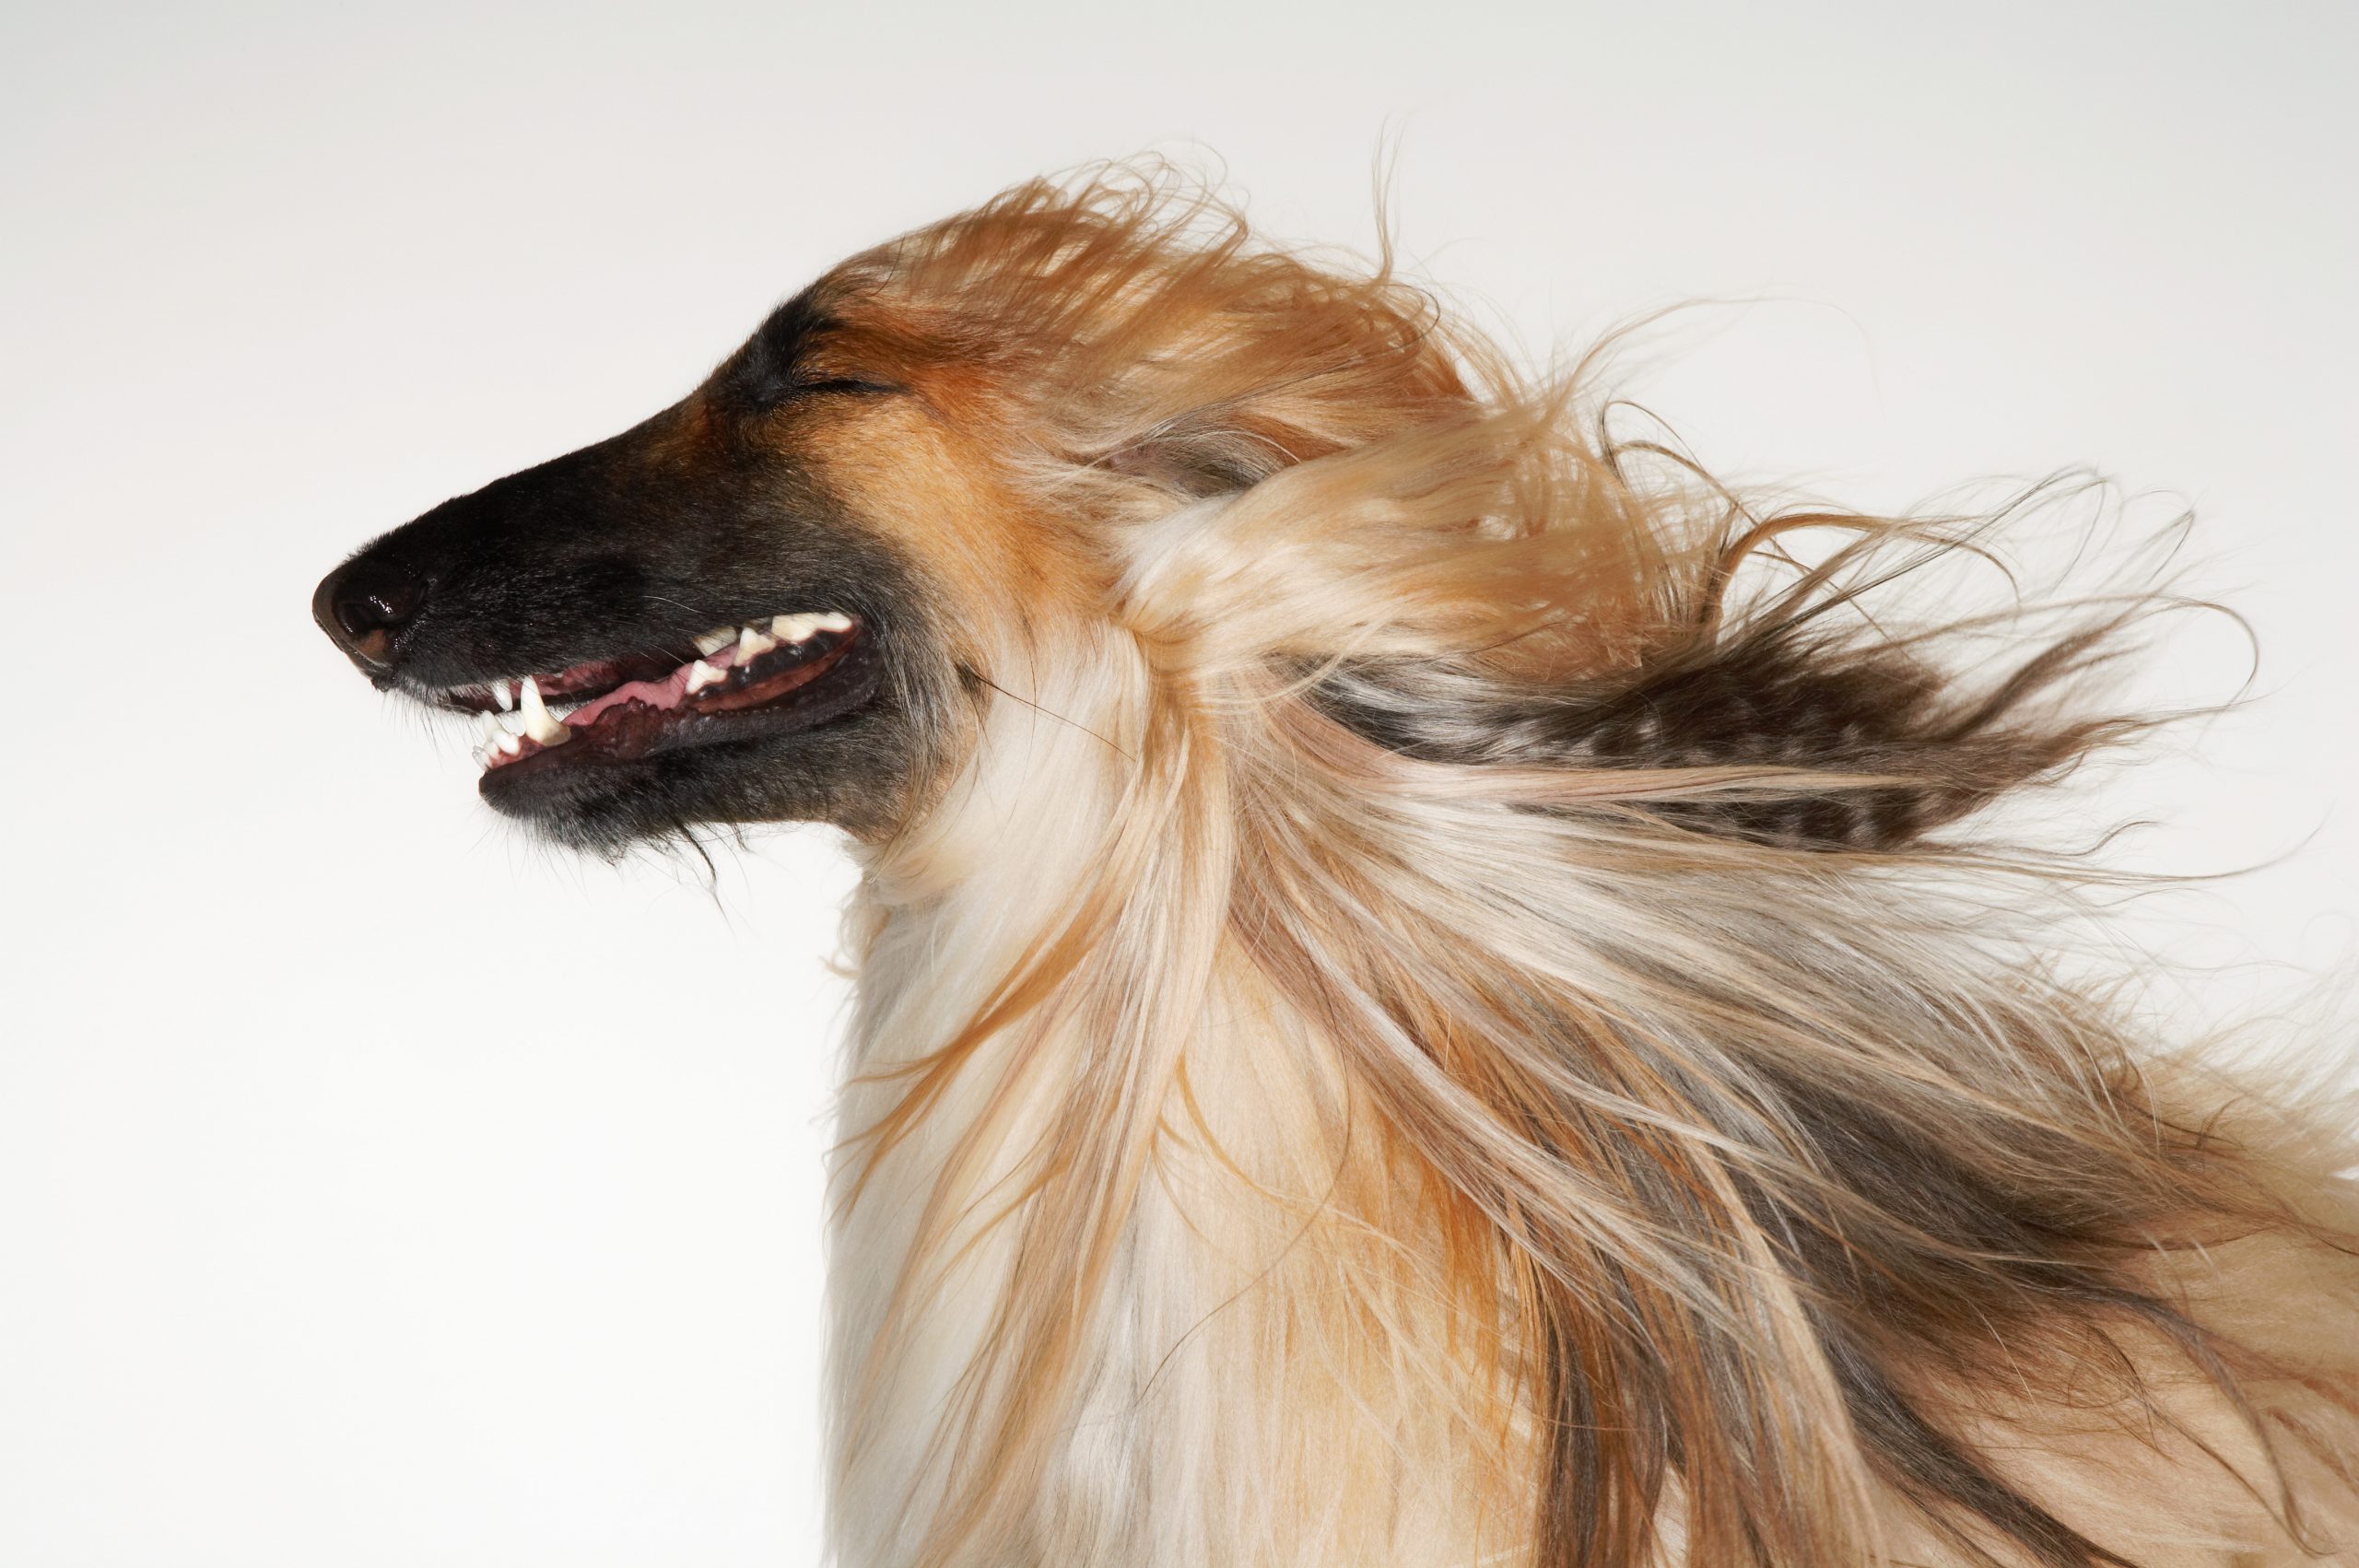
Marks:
<point>751,643</point>
<point>538,724</point>
<point>792,628</point>
<point>701,674</point>
<point>833,621</point>
<point>716,639</point>
<point>500,695</point>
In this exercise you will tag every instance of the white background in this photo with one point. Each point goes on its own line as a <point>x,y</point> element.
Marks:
<point>379,1188</point>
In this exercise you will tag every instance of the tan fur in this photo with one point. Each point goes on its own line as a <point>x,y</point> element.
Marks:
<point>1266,1145</point>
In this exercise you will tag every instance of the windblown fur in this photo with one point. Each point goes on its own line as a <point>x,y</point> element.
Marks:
<point>1457,998</point>
<point>1435,988</point>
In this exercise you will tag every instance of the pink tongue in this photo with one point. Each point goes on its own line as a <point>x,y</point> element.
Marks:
<point>669,692</point>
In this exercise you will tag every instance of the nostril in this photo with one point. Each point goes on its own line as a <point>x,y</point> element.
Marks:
<point>376,607</point>
<point>363,603</point>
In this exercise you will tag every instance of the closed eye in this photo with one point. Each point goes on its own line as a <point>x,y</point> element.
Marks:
<point>840,385</point>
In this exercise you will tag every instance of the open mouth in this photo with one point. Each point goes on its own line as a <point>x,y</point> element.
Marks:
<point>764,678</point>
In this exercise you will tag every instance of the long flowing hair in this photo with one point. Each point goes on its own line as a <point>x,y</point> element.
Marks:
<point>1673,1082</point>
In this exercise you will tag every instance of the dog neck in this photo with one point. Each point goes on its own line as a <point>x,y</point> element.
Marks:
<point>1111,1227</point>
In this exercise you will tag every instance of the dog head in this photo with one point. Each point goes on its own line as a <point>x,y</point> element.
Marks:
<point>782,597</point>
<point>1094,424</point>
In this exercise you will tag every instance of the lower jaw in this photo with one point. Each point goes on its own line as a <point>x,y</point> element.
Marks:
<point>607,768</point>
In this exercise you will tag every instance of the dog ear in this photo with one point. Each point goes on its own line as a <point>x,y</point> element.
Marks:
<point>1225,423</point>
<point>1776,733</point>
<point>1193,463</point>
<point>1231,378</point>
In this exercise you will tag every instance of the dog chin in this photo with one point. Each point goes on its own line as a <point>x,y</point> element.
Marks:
<point>846,771</point>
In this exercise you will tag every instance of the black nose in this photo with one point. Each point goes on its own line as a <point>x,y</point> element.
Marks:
<point>363,603</point>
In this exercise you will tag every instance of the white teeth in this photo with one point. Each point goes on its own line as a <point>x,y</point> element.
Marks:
<point>538,724</point>
<point>802,628</point>
<point>534,717</point>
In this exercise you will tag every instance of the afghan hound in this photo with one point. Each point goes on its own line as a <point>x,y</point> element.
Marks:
<point>1435,987</point>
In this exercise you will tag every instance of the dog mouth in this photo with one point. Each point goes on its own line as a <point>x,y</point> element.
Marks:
<point>767,677</point>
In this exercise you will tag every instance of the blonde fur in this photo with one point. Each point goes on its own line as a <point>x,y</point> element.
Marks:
<point>1451,999</point>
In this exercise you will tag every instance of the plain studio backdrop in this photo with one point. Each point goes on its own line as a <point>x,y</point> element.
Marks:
<point>379,1187</point>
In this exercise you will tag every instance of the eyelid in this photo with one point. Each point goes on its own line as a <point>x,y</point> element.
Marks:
<point>850,385</point>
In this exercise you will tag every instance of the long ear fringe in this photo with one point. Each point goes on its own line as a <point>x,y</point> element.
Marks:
<point>1484,591</point>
